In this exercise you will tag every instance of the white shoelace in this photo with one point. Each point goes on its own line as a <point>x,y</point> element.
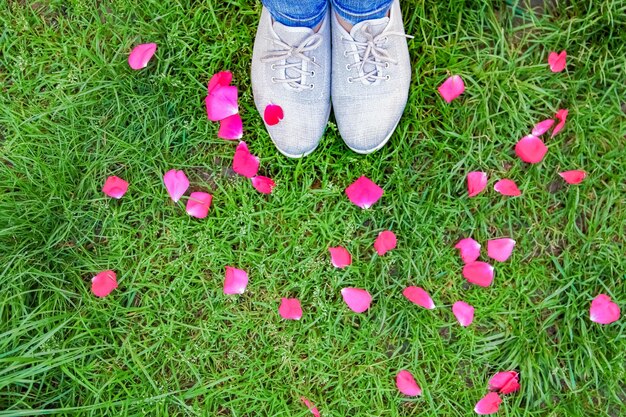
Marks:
<point>299,54</point>
<point>372,52</point>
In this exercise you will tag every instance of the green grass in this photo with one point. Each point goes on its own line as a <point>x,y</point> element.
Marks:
<point>168,343</point>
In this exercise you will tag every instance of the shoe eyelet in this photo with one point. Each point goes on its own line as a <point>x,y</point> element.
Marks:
<point>350,80</point>
<point>312,73</point>
<point>273,67</point>
<point>387,77</point>
<point>274,80</point>
<point>312,59</point>
<point>311,86</point>
<point>386,64</point>
<point>345,54</point>
<point>348,67</point>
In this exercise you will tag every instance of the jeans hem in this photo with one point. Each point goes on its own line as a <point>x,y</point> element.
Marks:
<point>309,22</point>
<point>353,18</point>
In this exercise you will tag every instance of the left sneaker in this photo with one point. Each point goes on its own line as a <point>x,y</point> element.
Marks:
<point>371,76</point>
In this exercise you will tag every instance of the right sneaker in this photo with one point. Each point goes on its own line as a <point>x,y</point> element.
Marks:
<point>291,68</point>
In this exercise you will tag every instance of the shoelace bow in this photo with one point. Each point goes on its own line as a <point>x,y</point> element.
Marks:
<point>372,52</point>
<point>299,53</point>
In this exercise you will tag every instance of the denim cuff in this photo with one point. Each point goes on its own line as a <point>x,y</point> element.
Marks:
<point>309,22</point>
<point>355,17</point>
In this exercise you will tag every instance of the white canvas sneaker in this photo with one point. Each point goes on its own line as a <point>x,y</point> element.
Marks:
<point>371,75</point>
<point>291,68</point>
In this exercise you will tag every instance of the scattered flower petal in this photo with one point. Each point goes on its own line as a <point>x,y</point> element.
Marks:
<point>236,281</point>
<point>476,182</point>
<point>263,184</point>
<point>244,163</point>
<point>463,312</point>
<point>573,177</point>
<point>418,296</point>
<point>340,257</point>
<point>489,404</point>
<point>504,382</point>
<point>507,187</point>
<point>406,384</point>
<point>310,406</point>
<point>103,283</point>
<point>603,310</point>
<point>221,79</point>
<point>542,127</point>
<point>452,88</point>
<point>140,55</point>
<point>562,116</point>
<point>469,249</point>
<point>222,103</point>
<point>290,309</point>
<point>357,299</point>
<point>231,128</point>
<point>479,273</point>
<point>115,187</point>
<point>531,149</point>
<point>198,204</point>
<point>557,61</point>
<point>385,242</point>
<point>273,114</point>
<point>176,183</point>
<point>364,192</point>
<point>500,249</point>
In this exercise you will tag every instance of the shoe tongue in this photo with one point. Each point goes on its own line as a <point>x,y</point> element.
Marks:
<point>293,36</point>
<point>373,27</point>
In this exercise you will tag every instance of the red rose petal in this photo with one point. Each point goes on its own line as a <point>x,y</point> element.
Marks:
<point>222,102</point>
<point>452,88</point>
<point>463,312</point>
<point>310,406</point>
<point>221,79</point>
<point>504,382</point>
<point>176,183</point>
<point>476,182</point>
<point>364,192</point>
<point>479,273</point>
<point>357,299</point>
<point>406,384</point>
<point>489,404</point>
<point>562,116</point>
<point>290,309</point>
<point>507,187</point>
<point>573,177</point>
<point>140,55</point>
<point>198,204</point>
<point>103,283</point>
<point>273,114</point>
<point>244,163</point>
<point>385,242</point>
<point>500,249</point>
<point>263,184</point>
<point>231,128</point>
<point>340,257</point>
<point>236,281</point>
<point>542,127</point>
<point>469,249</point>
<point>557,61</point>
<point>418,296</point>
<point>115,187</point>
<point>603,310</point>
<point>531,149</point>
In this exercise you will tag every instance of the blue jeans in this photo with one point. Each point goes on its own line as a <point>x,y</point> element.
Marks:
<point>310,13</point>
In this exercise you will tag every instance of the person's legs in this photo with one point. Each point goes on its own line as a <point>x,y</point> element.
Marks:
<point>297,13</point>
<point>356,11</point>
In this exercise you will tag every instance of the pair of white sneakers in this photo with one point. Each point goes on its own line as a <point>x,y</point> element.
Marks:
<point>367,72</point>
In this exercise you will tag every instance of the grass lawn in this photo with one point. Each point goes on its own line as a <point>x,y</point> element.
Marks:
<point>167,342</point>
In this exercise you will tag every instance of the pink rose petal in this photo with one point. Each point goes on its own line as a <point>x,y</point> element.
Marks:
<point>357,299</point>
<point>364,193</point>
<point>463,312</point>
<point>221,79</point>
<point>476,182</point>
<point>479,273</point>
<point>176,183</point>
<point>103,283</point>
<point>573,177</point>
<point>273,114</point>
<point>263,184</point>
<point>418,296</point>
<point>115,187</point>
<point>557,61</point>
<point>222,103</point>
<point>406,384</point>
<point>385,242</point>
<point>531,149</point>
<point>603,310</point>
<point>507,187</point>
<point>452,88</point>
<point>236,281</point>
<point>562,116</point>
<point>542,127</point>
<point>198,204</point>
<point>469,249</point>
<point>504,382</point>
<point>340,257</point>
<point>231,128</point>
<point>310,406</point>
<point>140,55</point>
<point>290,309</point>
<point>500,249</point>
<point>489,404</point>
<point>244,163</point>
